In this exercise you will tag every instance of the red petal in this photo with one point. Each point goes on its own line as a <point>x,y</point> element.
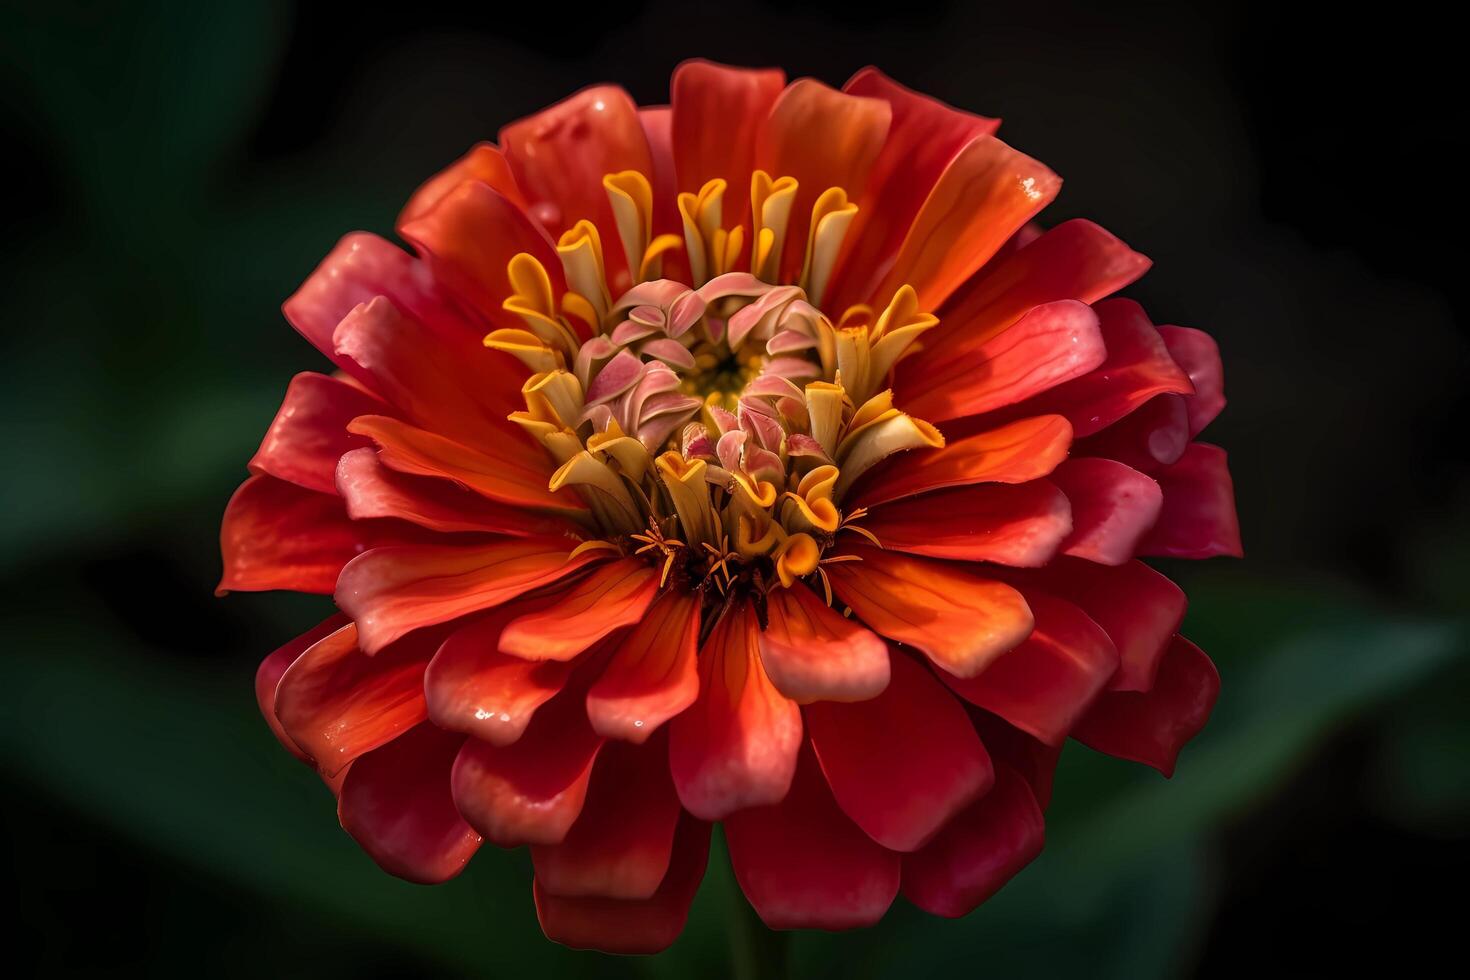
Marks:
<point>741,99</point>
<point>1113,506</point>
<point>484,163</point>
<point>1198,518</point>
<point>736,746</point>
<point>1044,685</point>
<point>923,139</point>
<point>1013,524</point>
<point>1137,607</point>
<point>615,926</point>
<point>824,139</point>
<point>812,653</point>
<point>459,390</point>
<point>560,155</point>
<point>468,239</point>
<point>658,124</point>
<point>268,675</point>
<point>614,595</point>
<point>1049,346</point>
<point>275,535</point>
<point>395,802</point>
<point>985,195</point>
<point>500,476</point>
<point>472,687</point>
<point>391,591</point>
<point>1013,453</point>
<point>309,433</point>
<point>531,791</point>
<point>1011,748</point>
<point>652,675</point>
<point>1075,260</point>
<point>804,865</point>
<point>903,763</point>
<point>1151,727</point>
<point>1196,352</point>
<point>372,490</point>
<point>960,620</point>
<point>978,852</point>
<point>1156,434</point>
<point>336,702</point>
<point>621,844</point>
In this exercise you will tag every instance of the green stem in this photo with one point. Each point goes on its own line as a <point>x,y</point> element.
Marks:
<point>757,953</point>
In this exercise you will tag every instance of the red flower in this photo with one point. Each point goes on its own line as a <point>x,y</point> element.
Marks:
<point>649,505</point>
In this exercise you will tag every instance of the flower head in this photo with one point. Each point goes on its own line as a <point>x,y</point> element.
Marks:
<point>753,460</point>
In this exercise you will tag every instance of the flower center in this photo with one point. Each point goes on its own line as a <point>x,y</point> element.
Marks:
<point>713,427</point>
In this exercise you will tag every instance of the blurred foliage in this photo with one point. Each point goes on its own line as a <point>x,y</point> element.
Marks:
<point>142,359</point>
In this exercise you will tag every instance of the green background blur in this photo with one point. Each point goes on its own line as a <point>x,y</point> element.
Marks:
<point>180,167</point>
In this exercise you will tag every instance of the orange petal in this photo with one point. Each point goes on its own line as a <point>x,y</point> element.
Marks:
<point>612,596</point>
<point>652,675</point>
<point>824,138</point>
<point>736,746</point>
<point>531,791</point>
<point>472,687</point>
<point>1014,453</point>
<point>923,139</point>
<point>268,677</point>
<point>392,591</point>
<point>741,99</point>
<point>960,620</point>
<point>500,476</point>
<point>987,193</point>
<point>336,702</point>
<point>812,653</point>
<point>1019,524</point>
<point>621,844</point>
<point>484,162</point>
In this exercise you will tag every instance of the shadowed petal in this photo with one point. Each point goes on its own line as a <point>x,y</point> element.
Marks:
<point>395,802</point>
<point>1018,524</point>
<point>1198,518</point>
<point>901,764</point>
<point>1151,727</point>
<point>1113,506</point>
<point>309,433</point>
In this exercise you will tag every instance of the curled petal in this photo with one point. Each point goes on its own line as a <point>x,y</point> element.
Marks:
<point>531,791</point>
<point>978,852</point>
<point>1197,353</point>
<point>395,802</point>
<point>1151,436</point>
<point>736,746</point>
<point>268,676</point>
<point>812,653</point>
<point>622,842</point>
<point>1152,726</point>
<point>484,163</point>
<point>903,763</point>
<point>959,620</point>
<point>392,591</point>
<point>336,702</point>
<point>1198,517</point>
<point>309,433</point>
<point>619,926</point>
<point>803,864</point>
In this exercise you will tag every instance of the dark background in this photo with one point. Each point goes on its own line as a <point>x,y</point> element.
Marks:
<point>178,168</point>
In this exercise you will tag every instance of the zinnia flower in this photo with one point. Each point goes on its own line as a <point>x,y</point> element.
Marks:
<point>752,460</point>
